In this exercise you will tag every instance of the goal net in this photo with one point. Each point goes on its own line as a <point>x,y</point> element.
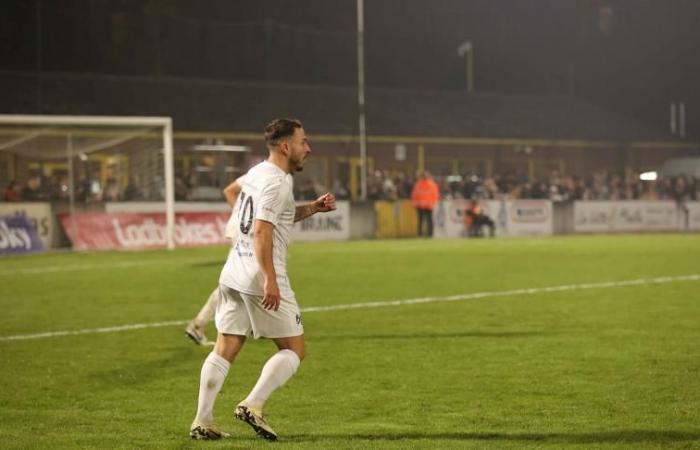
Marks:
<point>75,165</point>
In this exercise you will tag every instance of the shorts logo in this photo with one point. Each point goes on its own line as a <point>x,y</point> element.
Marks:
<point>298,319</point>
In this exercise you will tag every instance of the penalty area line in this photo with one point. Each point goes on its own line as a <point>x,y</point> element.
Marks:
<point>378,304</point>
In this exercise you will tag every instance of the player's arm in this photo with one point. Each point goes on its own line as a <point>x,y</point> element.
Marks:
<point>262,244</point>
<point>232,190</point>
<point>324,203</point>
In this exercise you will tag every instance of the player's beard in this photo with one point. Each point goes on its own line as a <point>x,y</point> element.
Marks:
<point>298,163</point>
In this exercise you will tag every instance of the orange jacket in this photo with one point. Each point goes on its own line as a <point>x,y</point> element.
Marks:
<point>425,194</point>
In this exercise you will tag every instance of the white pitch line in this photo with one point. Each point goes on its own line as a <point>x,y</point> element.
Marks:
<point>509,293</point>
<point>79,267</point>
<point>135,326</point>
<point>410,301</point>
<point>50,269</point>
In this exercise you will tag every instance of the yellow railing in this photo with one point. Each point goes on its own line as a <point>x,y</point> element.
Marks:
<point>396,219</point>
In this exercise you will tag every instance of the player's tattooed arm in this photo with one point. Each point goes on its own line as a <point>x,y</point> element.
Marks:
<point>304,211</point>
<point>324,203</point>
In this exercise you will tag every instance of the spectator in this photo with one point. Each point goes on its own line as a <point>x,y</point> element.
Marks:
<point>425,196</point>
<point>374,185</point>
<point>681,190</point>
<point>307,190</point>
<point>58,187</point>
<point>182,191</point>
<point>133,190</point>
<point>111,191</point>
<point>32,191</point>
<point>476,219</point>
<point>389,190</point>
<point>339,190</point>
<point>404,185</point>
<point>12,192</point>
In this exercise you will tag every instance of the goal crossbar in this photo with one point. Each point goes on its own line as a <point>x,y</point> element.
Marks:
<point>31,119</point>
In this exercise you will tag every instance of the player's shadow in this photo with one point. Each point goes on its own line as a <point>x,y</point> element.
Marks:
<point>207,264</point>
<point>603,437</point>
<point>433,335</point>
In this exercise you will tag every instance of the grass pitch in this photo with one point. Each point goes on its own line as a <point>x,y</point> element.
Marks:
<point>602,367</point>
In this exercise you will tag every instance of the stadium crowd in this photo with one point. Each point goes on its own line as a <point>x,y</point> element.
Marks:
<point>601,185</point>
<point>87,190</point>
<point>383,185</point>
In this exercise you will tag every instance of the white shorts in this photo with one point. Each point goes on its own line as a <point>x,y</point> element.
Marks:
<point>244,315</point>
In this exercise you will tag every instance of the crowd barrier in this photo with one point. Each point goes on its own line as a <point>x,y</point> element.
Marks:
<point>631,216</point>
<point>31,227</point>
<point>39,215</point>
<point>511,217</point>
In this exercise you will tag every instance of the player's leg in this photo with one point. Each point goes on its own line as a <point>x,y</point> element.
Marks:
<point>429,218</point>
<point>419,212</point>
<point>212,377</point>
<point>284,327</point>
<point>195,329</point>
<point>275,373</point>
<point>277,370</point>
<point>233,324</point>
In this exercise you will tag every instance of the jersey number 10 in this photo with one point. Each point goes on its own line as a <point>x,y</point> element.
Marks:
<point>246,211</point>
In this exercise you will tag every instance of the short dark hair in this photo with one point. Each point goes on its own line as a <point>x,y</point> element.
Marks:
<point>280,129</point>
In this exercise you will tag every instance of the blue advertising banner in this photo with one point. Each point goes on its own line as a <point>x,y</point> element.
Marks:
<point>18,236</point>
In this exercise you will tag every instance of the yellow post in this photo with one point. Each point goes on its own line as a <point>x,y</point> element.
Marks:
<point>352,164</point>
<point>124,161</point>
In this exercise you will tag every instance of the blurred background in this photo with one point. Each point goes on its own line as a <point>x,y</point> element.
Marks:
<point>500,100</point>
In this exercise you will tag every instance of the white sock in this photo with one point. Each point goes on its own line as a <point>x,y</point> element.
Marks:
<point>276,371</point>
<point>207,311</point>
<point>214,371</point>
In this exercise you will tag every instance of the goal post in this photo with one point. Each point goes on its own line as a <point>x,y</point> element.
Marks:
<point>133,148</point>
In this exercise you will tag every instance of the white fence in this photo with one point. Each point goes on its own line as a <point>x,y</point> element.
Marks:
<point>39,216</point>
<point>331,226</point>
<point>512,217</point>
<point>631,216</point>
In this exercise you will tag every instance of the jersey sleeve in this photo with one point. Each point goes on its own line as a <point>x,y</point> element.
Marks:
<point>272,200</point>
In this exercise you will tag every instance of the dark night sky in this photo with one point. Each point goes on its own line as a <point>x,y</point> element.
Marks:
<point>629,56</point>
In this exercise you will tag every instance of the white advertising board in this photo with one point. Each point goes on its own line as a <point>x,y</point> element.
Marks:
<point>334,225</point>
<point>624,216</point>
<point>39,216</point>
<point>330,226</point>
<point>159,207</point>
<point>511,217</point>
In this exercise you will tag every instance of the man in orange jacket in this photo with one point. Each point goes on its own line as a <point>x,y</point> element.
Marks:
<point>425,196</point>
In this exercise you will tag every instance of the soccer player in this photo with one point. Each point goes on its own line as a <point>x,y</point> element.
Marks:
<point>255,295</point>
<point>195,329</point>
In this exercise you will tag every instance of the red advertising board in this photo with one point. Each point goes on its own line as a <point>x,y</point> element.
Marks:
<point>101,231</point>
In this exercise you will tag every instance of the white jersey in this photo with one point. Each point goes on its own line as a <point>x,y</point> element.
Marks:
<point>267,195</point>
